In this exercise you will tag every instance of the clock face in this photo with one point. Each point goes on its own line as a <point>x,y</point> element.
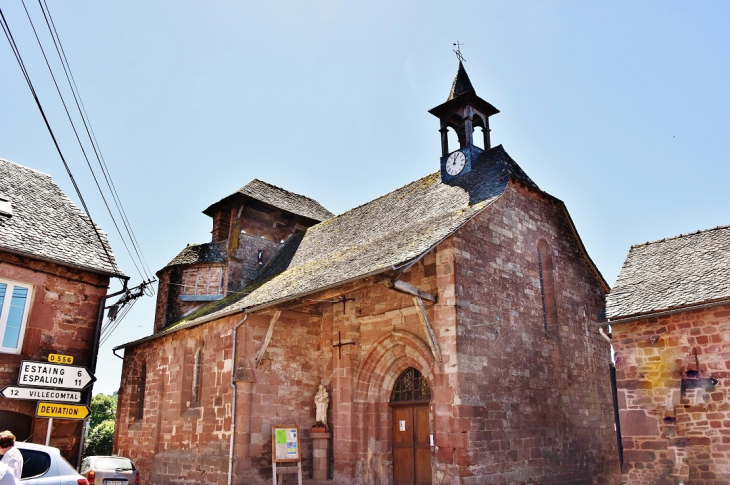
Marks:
<point>455,163</point>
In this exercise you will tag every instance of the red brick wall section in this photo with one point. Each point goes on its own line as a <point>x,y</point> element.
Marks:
<point>170,308</point>
<point>221,225</point>
<point>389,337</point>
<point>61,320</point>
<point>675,424</point>
<point>178,443</point>
<point>245,264</point>
<point>533,406</point>
<point>163,295</point>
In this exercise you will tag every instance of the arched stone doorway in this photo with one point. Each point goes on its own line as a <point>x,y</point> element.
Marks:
<point>390,357</point>
<point>409,403</point>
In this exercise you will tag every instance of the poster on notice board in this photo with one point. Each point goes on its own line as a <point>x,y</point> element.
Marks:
<point>285,441</point>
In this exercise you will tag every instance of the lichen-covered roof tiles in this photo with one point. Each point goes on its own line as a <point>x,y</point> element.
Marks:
<point>683,271</point>
<point>211,252</point>
<point>46,224</point>
<point>386,232</point>
<point>279,198</point>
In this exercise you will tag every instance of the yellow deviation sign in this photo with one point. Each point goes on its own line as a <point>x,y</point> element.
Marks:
<point>63,411</point>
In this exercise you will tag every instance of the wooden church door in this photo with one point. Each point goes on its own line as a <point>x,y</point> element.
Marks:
<point>411,429</point>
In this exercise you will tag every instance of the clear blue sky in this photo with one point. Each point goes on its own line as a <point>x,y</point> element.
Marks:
<point>618,108</point>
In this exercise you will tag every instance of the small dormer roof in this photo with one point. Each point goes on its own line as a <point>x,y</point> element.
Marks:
<point>276,197</point>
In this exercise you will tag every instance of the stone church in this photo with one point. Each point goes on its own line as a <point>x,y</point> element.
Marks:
<point>452,322</point>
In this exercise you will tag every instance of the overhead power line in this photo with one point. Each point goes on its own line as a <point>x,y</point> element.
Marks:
<point>78,138</point>
<point>19,59</point>
<point>92,136</point>
<point>121,308</point>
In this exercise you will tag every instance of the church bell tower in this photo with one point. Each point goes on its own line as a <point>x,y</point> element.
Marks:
<point>463,111</point>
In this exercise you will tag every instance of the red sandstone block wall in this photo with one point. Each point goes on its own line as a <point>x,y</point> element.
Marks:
<point>675,424</point>
<point>388,337</point>
<point>175,442</point>
<point>61,320</point>
<point>535,405</point>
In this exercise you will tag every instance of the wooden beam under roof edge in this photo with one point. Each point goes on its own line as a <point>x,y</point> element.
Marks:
<point>413,290</point>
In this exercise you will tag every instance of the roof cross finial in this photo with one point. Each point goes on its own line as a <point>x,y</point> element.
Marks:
<point>457,51</point>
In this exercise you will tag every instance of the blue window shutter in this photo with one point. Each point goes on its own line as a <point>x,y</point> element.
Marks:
<point>15,317</point>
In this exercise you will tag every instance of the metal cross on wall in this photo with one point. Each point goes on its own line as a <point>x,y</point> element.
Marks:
<point>457,51</point>
<point>340,343</point>
<point>344,301</point>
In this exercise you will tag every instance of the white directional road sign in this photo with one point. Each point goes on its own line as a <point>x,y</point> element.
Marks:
<point>12,392</point>
<point>43,374</point>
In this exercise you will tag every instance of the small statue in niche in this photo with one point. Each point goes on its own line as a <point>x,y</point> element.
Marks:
<point>321,400</point>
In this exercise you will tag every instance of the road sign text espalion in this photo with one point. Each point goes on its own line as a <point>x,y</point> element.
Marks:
<point>42,374</point>
<point>63,411</point>
<point>11,392</point>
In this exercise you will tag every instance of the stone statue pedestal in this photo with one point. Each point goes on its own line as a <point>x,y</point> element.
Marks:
<point>320,455</point>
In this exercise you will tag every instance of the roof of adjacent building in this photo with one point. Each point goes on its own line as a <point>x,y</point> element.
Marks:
<point>377,236</point>
<point>212,252</point>
<point>684,271</point>
<point>46,224</point>
<point>276,197</point>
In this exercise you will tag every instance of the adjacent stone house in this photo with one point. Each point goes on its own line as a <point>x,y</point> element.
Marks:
<point>669,313</point>
<point>55,267</point>
<point>453,322</point>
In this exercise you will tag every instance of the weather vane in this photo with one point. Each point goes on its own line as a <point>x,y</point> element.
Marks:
<point>457,51</point>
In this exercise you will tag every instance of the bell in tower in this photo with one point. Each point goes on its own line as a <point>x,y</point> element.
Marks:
<point>463,111</point>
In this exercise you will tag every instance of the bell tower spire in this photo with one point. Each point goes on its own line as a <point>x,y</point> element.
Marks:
<point>462,112</point>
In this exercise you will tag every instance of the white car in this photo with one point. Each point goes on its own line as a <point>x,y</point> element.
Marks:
<point>44,465</point>
<point>109,470</point>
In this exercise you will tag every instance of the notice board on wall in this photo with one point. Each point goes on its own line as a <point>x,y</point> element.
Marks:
<point>285,443</point>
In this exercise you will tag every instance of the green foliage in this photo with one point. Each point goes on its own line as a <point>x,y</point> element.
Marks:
<point>100,439</point>
<point>103,408</point>
<point>101,425</point>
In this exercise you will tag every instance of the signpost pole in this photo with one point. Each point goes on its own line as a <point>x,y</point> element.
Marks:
<point>48,432</point>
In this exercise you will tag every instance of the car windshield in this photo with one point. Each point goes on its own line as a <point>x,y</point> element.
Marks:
<point>113,464</point>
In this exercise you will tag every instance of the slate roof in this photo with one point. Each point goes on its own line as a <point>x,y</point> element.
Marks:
<point>46,224</point>
<point>279,198</point>
<point>462,93</point>
<point>386,232</point>
<point>200,253</point>
<point>683,271</point>
<point>462,83</point>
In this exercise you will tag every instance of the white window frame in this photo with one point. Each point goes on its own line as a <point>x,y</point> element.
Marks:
<point>6,310</point>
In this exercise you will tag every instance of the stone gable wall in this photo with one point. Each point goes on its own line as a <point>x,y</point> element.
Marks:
<point>675,424</point>
<point>536,403</point>
<point>61,320</point>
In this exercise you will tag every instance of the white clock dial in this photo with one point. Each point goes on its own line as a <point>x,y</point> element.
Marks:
<point>455,163</point>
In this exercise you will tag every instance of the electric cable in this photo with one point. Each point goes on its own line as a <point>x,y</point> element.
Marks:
<point>116,322</point>
<point>19,59</point>
<point>78,139</point>
<point>90,133</point>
